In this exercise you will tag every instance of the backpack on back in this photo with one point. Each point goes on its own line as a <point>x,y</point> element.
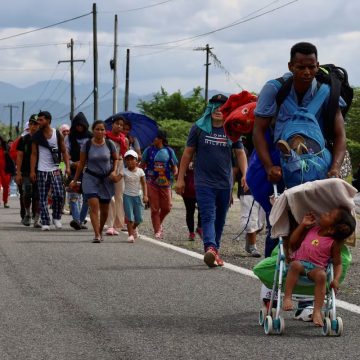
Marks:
<point>311,161</point>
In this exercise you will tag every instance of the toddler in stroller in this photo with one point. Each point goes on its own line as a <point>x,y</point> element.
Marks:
<point>312,247</point>
<point>334,199</point>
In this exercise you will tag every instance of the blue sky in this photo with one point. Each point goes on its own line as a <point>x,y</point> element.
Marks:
<point>163,37</point>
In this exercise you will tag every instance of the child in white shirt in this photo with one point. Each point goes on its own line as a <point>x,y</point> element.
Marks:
<point>135,185</point>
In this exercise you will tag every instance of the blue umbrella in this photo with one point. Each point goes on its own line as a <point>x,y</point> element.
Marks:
<point>143,128</point>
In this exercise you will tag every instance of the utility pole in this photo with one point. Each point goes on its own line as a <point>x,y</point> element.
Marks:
<point>11,118</point>
<point>95,55</point>
<point>127,80</point>
<point>207,49</point>
<point>113,66</point>
<point>72,84</point>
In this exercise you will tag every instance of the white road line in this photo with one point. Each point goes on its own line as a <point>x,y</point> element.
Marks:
<point>342,304</point>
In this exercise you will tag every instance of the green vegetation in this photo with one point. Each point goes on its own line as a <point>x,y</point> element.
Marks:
<point>175,114</point>
<point>175,106</point>
<point>352,126</point>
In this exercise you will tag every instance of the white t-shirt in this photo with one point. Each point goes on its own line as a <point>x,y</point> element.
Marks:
<point>132,181</point>
<point>46,162</point>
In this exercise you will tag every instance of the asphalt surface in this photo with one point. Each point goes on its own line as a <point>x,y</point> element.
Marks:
<point>63,297</point>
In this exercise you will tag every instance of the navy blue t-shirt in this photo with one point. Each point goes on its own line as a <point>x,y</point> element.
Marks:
<point>213,167</point>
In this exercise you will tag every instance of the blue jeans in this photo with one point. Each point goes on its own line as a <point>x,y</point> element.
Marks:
<point>78,214</point>
<point>270,243</point>
<point>213,205</point>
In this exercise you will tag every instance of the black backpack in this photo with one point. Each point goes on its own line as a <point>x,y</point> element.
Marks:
<point>337,78</point>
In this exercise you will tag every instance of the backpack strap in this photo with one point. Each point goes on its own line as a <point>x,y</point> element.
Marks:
<point>318,99</point>
<point>284,87</point>
<point>87,147</point>
<point>315,104</point>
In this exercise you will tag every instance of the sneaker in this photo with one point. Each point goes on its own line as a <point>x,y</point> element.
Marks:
<point>304,314</point>
<point>66,212</point>
<point>252,250</point>
<point>57,223</point>
<point>37,224</point>
<point>83,227</point>
<point>131,239</point>
<point>45,227</point>
<point>218,260</point>
<point>210,257</point>
<point>27,220</point>
<point>110,231</point>
<point>199,232</point>
<point>75,225</point>
<point>191,236</point>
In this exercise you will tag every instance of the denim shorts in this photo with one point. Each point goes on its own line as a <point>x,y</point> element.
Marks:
<point>133,208</point>
<point>308,266</point>
<point>94,195</point>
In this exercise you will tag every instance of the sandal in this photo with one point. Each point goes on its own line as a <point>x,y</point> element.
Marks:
<point>96,240</point>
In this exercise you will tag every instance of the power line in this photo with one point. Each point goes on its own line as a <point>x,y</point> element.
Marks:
<point>218,63</point>
<point>44,89</point>
<point>238,22</point>
<point>57,86</point>
<point>137,9</point>
<point>25,46</point>
<point>45,27</point>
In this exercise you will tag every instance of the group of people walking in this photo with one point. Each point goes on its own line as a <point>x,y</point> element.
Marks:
<point>116,179</point>
<point>97,172</point>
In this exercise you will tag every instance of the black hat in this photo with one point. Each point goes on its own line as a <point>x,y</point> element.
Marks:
<point>33,118</point>
<point>218,98</point>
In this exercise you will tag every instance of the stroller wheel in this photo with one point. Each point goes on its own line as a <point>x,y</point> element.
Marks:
<point>268,325</point>
<point>339,326</point>
<point>282,325</point>
<point>327,327</point>
<point>262,315</point>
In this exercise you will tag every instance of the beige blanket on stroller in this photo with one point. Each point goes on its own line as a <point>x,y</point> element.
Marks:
<point>318,196</point>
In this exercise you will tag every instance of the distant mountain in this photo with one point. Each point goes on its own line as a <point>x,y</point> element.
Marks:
<point>54,96</point>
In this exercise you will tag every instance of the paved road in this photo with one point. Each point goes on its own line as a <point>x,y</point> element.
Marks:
<point>65,298</point>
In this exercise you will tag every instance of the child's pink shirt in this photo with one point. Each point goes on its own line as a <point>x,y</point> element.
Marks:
<point>315,248</point>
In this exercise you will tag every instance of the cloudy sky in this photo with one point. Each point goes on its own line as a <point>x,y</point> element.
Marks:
<point>250,39</point>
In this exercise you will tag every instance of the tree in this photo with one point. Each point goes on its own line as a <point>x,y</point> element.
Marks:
<point>352,126</point>
<point>175,106</point>
<point>353,118</point>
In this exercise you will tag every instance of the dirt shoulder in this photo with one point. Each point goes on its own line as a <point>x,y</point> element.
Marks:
<point>233,250</point>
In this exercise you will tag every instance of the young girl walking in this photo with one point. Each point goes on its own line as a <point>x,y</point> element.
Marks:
<point>135,183</point>
<point>313,246</point>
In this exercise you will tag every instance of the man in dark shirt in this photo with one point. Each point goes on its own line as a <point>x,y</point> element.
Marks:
<point>213,174</point>
<point>30,192</point>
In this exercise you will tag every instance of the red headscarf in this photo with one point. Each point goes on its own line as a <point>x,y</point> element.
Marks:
<point>119,139</point>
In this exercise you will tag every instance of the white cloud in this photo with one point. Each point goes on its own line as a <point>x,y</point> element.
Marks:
<point>252,52</point>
